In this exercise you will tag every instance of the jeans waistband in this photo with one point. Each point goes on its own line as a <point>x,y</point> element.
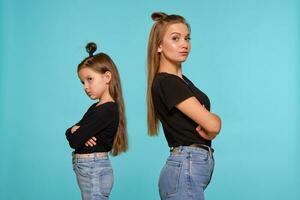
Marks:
<point>175,150</point>
<point>90,155</point>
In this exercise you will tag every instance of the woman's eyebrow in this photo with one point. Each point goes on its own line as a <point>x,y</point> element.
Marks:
<point>177,33</point>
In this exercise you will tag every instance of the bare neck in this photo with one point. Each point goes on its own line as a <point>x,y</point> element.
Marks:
<point>170,67</point>
<point>106,97</point>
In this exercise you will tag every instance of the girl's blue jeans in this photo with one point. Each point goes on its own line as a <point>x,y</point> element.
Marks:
<point>94,177</point>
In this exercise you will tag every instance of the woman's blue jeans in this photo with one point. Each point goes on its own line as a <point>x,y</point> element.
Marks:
<point>94,177</point>
<point>186,174</point>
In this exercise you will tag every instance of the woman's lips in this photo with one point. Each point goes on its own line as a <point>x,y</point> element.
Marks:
<point>184,53</point>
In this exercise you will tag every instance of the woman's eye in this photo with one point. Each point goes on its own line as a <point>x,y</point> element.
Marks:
<point>89,78</point>
<point>175,38</point>
<point>188,39</point>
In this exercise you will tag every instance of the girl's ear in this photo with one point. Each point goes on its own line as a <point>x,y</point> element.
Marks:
<point>107,77</point>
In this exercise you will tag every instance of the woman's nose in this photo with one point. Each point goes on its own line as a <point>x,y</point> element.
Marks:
<point>185,44</point>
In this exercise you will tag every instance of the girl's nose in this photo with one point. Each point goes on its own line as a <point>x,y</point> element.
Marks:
<point>85,86</point>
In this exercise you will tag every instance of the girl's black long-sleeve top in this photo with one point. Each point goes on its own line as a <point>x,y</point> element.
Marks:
<point>99,121</point>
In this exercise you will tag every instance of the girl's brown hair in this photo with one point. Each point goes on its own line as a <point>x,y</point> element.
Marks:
<point>102,63</point>
<point>162,21</point>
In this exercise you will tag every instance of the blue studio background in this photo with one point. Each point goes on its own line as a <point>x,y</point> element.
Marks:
<point>245,56</point>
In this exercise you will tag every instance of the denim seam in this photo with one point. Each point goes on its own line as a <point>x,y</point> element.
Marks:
<point>189,182</point>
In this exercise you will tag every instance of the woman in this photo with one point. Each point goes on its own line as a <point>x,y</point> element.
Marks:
<point>183,110</point>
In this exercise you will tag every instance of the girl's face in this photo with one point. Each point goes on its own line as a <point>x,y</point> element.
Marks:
<point>175,46</point>
<point>95,84</point>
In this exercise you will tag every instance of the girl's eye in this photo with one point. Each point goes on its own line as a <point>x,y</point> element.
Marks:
<point>89,78</point>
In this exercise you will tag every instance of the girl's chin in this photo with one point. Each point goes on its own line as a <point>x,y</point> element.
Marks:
<point>92,97</point>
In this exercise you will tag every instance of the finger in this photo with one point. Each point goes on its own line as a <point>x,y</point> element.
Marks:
<point>93,142</point>
<point>90,144</point>
<point>94,138</point>
<point>204,135</point>
<point>198,129</point>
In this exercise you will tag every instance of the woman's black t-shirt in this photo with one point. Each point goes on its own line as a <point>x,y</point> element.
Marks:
<point>168,90</point>
<point>99,121</point>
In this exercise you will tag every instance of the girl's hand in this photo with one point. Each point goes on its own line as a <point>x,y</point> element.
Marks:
<point>91,142</point>
<point>74,128</point>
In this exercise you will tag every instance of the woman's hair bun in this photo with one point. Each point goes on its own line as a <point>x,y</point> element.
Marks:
<point>91,48</point>
<point>158,16</point>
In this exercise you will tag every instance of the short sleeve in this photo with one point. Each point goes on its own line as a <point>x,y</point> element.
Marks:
<point>174,90</point>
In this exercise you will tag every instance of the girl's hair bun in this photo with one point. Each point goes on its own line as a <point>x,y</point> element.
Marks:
<point>158,16</point>
<point>91,48</point>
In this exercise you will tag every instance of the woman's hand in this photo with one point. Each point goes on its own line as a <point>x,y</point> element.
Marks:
<point>74,128</point>
<point>91,142</point>
<point>206,135</point>
<point>210,122</point>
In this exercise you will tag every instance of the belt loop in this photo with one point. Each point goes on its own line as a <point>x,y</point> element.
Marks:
<point>211,151</point>
<point>171,149</point>
<point>180,148</point>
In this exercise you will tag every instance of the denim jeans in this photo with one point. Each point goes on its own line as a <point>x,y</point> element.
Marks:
<point>186,174</point>
<point>94,177</point>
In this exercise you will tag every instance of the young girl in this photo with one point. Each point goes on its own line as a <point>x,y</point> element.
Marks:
<point>102,128</point>
<point>183,110</point>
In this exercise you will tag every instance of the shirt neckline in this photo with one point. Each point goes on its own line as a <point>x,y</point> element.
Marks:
<point>184,78</point>
<point>108,102</point>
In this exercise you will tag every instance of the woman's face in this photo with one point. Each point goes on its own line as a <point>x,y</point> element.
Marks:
<point>175,45</point>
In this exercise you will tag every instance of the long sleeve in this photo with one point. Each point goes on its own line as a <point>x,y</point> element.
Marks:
<point>91,125</point>
<point>68,131</point>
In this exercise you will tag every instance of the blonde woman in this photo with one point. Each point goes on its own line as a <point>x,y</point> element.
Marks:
<point>182,109</point>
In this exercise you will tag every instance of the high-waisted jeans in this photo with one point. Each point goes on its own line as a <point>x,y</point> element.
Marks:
<point>186,174</point>
<point>94,177</point>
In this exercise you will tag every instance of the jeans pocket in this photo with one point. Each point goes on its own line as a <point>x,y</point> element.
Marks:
<point>81,169</point>
<point>106,181</point>
<point>169,178</point>
<point>201,156</point>
<point>201,171</point>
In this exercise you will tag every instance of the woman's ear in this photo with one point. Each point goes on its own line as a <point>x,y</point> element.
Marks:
<point>107,77</point>
<point>159,49</point>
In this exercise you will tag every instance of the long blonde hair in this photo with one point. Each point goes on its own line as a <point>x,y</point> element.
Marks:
<point>162,21</point>
<point>102,63</point>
